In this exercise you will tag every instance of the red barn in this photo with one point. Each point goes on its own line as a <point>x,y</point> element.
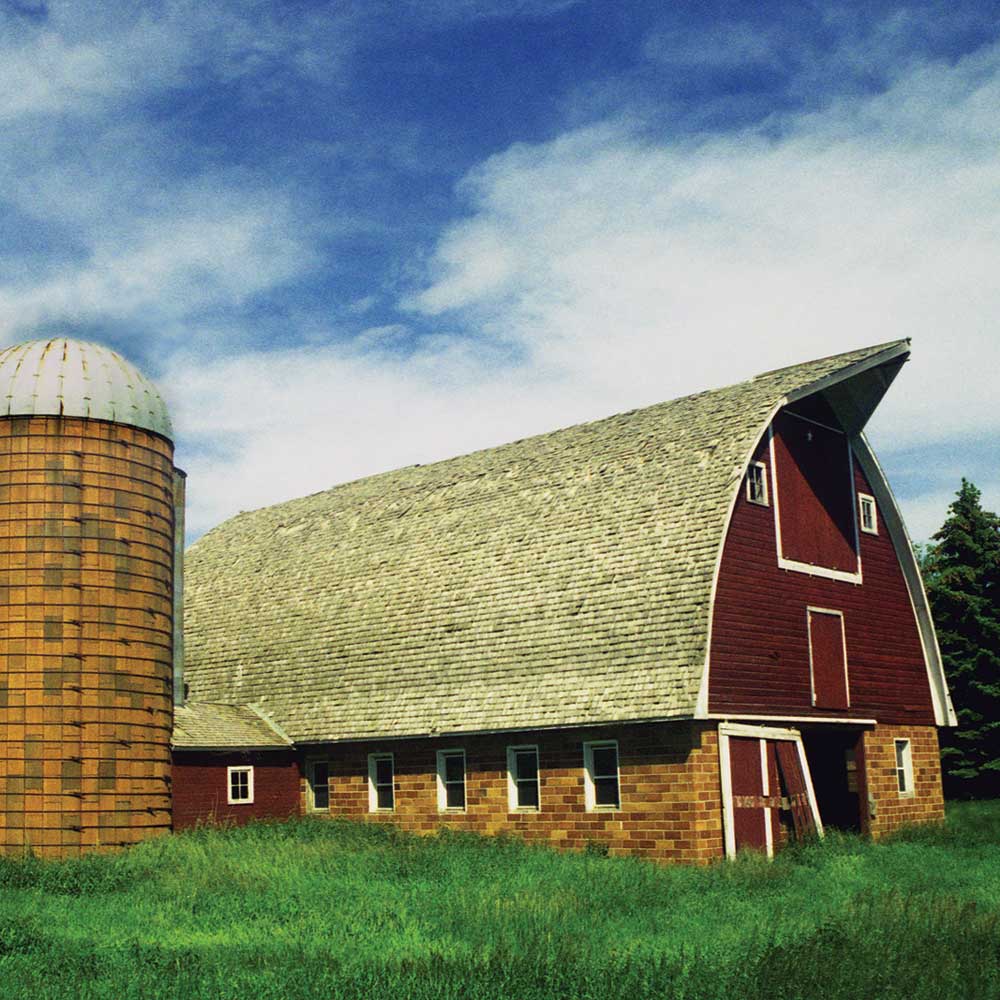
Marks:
<point>678,632</point>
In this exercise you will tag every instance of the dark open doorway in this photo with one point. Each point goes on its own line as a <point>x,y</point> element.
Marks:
<point>836,768</point>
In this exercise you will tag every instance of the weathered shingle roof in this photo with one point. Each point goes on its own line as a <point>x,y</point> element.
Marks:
<point>198,725</point>
<point>560,580</point>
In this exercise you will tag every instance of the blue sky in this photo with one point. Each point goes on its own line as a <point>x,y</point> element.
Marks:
<point>346,237</point>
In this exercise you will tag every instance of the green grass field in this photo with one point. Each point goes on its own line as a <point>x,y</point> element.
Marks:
<point>339,909</point>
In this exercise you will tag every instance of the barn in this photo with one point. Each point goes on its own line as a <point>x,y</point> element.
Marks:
<point>679,632</point>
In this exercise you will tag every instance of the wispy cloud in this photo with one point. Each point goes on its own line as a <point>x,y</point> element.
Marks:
<point>630,269</point>
<point>721,45</point>
<point>452,10</point>
<point>161,185</point>
<point>219,249</point>
<point>698,261</point>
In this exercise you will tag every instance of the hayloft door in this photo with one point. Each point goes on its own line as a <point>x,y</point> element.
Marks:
<point>764,776</point>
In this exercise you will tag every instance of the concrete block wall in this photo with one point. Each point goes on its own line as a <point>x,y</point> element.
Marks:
<point>893,810</point>
<point>669,787</point>
<point>86,550</point>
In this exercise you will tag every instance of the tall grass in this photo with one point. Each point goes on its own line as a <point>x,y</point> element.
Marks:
<point>339,909</point>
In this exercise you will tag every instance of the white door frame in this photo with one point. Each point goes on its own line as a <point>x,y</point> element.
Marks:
<point>762,733</point>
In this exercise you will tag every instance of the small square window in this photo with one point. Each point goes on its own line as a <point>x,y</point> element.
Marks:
<point>757,483</point>
<point>451,780</point>
<point>381,783</point>
<point>522,778</point>
<point>240,781</point>
<point>869,516</point>
<point>600,775</point>
<point>318,779</point>
<point>904,767</point>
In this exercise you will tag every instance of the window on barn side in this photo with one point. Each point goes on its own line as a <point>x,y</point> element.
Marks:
<point>522,778</point>
<point>904,767</point>
<point>451,780</point>
<point>318,783</point>
<point>869,518</point>
<point>240,780</point>
<point>600,775</point>
<point>757,483</point>
<point>381,783</point>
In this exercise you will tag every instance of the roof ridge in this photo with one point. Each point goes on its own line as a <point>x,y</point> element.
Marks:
<point>856,355</point>
<point>874,349</point>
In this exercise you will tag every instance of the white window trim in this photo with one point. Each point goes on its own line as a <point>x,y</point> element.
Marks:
<point>589,790</point>
<point>765,502</point>
<point>864,498</point>
<point>810,611</point>
<point>809,568</point>
<point>311,762</point>
<point>512,779</point>
<point>763,733</point>
<point>373,805</point>
<point>442,791</point>
<point>907,768</point>
<point>230,771</point>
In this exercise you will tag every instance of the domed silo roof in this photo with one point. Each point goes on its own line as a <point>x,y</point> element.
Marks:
<point>75,378</point>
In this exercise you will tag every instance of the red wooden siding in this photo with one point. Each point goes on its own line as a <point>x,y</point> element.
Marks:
<point>826,646</point>
<point>749,814</point>
<point>814,494</point>
<point>794,781</point>
<point>200,787</point>
<point>759,660</point>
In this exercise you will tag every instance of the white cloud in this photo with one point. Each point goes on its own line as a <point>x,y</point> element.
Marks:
<point>48,75</point>
<point>926,513</point>
<point>626,270</point>
<point>217,247</point>
<point>87,59</point>
<point>619,269</point>
<point>265,427</point>
<point>648,268</point>
<point>128,230</point>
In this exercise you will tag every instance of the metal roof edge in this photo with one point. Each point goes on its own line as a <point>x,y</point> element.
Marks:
<point>894,350</point>
<point>944,712</point>
<point>460,733</point>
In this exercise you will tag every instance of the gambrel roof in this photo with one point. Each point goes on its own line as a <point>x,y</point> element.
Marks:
<point>561,580</point>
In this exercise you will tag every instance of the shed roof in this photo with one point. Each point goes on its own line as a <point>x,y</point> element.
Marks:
<point>561,580</point>
<point>202,726</point>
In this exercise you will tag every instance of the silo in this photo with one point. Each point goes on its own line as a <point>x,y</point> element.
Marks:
<point>87,553</point>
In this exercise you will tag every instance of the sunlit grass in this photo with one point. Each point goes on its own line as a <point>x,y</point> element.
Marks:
<point>340,909</point>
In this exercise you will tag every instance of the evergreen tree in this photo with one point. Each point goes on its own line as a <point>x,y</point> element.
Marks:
<point>962,575</point>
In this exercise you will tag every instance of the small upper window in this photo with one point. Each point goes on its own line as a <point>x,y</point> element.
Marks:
<point>600,775</point>
<point>240,785</point>
<point>904,767</point>
<point>451,780</point>
<point>381,783</point>
<point>318,778</point>
<point>522,771</point>
<point>757,483</point>
<point>869,518</point>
